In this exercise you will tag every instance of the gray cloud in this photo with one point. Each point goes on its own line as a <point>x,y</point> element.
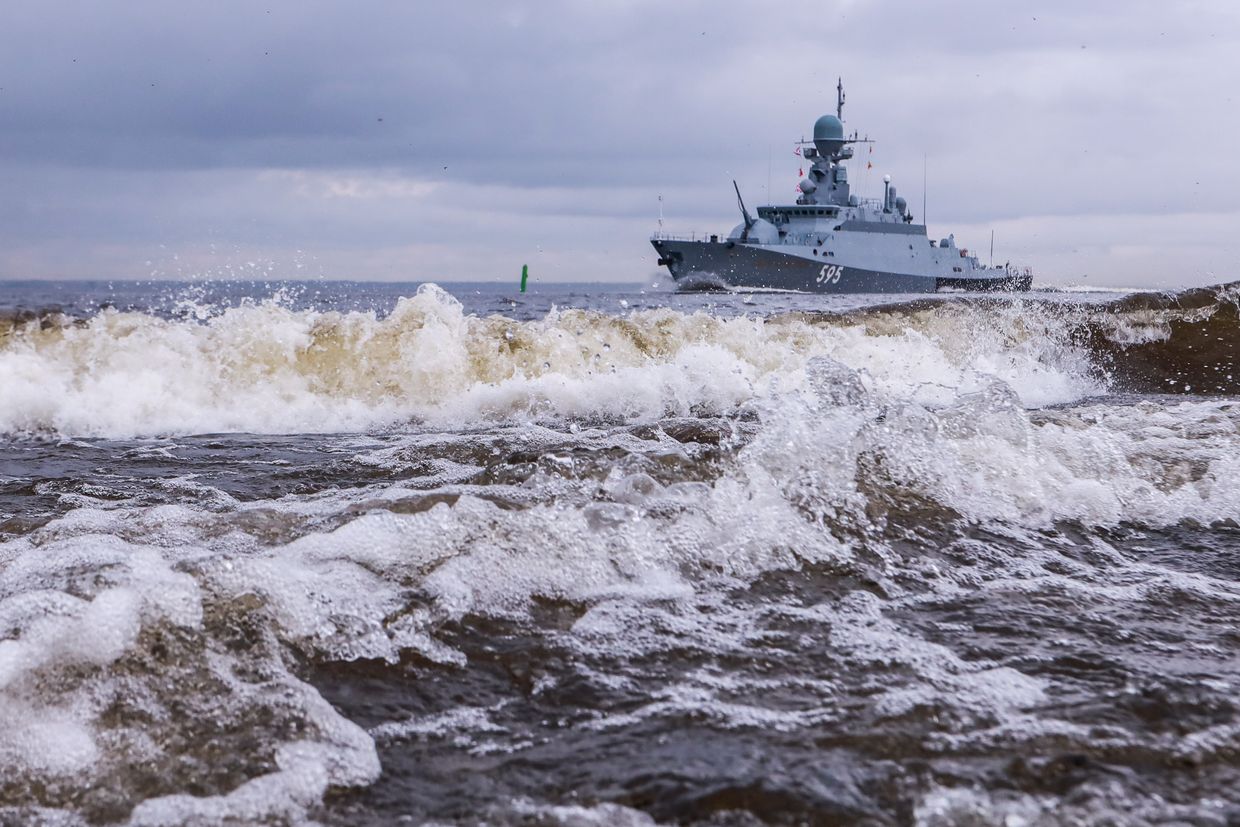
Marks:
<point>445,140</point>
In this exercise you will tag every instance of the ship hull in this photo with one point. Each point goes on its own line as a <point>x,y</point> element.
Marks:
<point>731,265</point>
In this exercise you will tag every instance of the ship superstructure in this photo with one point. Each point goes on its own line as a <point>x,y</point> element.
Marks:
<point>831,240</point>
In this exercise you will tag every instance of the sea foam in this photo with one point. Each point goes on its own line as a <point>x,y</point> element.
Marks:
<point>264,368</point>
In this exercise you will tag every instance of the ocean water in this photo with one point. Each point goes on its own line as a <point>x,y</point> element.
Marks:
<point>375,554</point>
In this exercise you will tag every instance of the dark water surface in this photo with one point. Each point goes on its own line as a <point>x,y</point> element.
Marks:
<point>374,554</point>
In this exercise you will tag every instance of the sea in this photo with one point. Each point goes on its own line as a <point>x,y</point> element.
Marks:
<point>368,554</point>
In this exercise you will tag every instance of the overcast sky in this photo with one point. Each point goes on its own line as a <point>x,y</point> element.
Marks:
<point>458,140</point>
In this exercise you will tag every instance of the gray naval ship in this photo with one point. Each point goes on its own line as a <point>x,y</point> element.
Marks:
<point>831,241</point>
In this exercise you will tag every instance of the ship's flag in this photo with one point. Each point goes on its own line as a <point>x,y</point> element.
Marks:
<point>800,172</point>
<point>796,151</point>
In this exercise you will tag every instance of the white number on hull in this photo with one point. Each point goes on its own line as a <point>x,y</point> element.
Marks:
<point>830,274</point>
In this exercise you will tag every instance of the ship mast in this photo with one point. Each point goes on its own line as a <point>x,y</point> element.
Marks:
<point>839,99</point>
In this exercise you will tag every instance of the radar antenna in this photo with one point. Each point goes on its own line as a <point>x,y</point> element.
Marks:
<point>839,99</point>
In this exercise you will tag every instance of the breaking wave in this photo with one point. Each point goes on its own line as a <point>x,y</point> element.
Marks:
<point>155,651</point>
<point>263,368</point>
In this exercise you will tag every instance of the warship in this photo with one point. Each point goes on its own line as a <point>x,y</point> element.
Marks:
<point>831,240</point>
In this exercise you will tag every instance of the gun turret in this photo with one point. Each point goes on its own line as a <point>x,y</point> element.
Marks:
<point>749,219</point>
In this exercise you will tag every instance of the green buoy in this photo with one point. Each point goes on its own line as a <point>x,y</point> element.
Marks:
<point>525,275</point>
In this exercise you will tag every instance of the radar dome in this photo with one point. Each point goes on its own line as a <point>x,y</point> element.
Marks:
<point>828,134</point>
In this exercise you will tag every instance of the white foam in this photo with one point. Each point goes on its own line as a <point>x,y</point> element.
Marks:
<point>576,815</point>
<point>986,456</point>
<point>1095,804</point>
<point>264,368</point>
<point>305,771</point>
<point>74,607</point>
<point>466,718</point>
<point>651,564</point>
<point>850,420</point>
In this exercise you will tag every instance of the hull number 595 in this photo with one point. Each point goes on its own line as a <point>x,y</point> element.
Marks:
<point>830,274</point>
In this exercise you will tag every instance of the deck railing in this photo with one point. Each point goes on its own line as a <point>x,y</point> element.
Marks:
<point>718,237</point>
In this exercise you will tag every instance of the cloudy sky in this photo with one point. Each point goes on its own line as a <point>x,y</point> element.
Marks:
<point>421,140</point>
